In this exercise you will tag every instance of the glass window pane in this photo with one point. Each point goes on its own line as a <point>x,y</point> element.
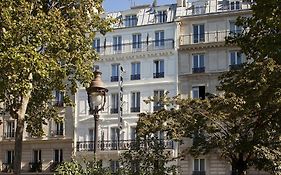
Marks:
<point>239,58</point>
<point>195,61</point>
<point>161,66</point>
<point>201,60</point>
<point>202,164</point>
<point>196,165</point>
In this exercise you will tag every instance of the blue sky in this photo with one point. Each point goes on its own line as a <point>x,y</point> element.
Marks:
<point>116,5</point>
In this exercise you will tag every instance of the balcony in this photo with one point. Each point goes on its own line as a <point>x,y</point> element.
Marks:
<point>114,78</point>
<point>196,70</point>
<point>7,167</point>
<point>235,66</point>
<point>110,145</point>
<point>143,46</point>
<point>54,166</point>
<point>57,133</point>
<point>9,135</point>
<point>135,77</point>
<point>114,110</point>
<point>205,38</point>
<point>35,166</point>
<point>198,173</point>
<point>135,109</point>
<point>158,107</point>
<point>158,75</point>
<point>220,8</point>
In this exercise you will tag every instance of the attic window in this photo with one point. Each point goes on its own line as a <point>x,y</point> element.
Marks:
<point>131,20</point>
<point>161,16</point>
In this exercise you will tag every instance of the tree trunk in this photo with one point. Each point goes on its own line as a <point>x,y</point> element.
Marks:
<point>19,130</point>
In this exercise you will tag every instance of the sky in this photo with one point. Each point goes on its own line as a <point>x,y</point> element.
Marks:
<point>117,5</point>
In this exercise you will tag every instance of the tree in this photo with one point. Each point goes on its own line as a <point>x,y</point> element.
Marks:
<point>243,123</point>
<point>148,155</point>
<point>84,168</point>
<point>45,45</point>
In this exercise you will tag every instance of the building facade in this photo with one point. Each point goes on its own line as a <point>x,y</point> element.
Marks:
<point>143,44</point>
<point>40,155</point>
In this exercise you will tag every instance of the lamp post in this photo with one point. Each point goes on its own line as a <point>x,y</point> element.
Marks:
<point>96,99</point>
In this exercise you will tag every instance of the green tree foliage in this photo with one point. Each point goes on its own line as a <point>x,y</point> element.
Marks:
<point>148,156</point>
<point>243,125</point>
<point>85,168</point>
<point>45,45</point>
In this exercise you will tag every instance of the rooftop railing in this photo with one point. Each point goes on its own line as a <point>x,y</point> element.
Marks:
<point>209,8</point>
<point>142,46</point>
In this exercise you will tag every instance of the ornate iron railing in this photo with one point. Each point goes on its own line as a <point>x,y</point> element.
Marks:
<point>110,145</point>
<point>142,46</point>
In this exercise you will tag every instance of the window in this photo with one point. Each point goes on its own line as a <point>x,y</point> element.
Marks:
<point>135,102</point>
<point>59,128</point>
<point>135,71</point>
<point>131,20</point>
<point>91,135</point>
<point>136,41</point>
<point>114,103</point>
<point>158,69</point>
<point>58,155</point>
<point>117,43</point>
<point>10,129</point>
<point>235,58</point>
<point>133,133</point>
<point>114,137</point>
<point>96,44</point>
<point>159,38</point>
<point>198,33</point>
<point>115,72</point>
<point>234,29</point>
<point>36,156</point>
<point>235,5</point>
<point>10,155</point>
<point>114,165</point>
<point>198,167</point>
<point>161,16</point>
<point>198,92</point>
<point>59,98</point>
<point>158,95</point>
<point>198,9</point>
<point>198,63</point>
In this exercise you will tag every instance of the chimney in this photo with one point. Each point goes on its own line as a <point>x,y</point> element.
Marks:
<point>181,3</point>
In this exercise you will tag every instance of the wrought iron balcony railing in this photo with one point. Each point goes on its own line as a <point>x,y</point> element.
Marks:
<point>113,110</point>
<point>7,167</point>
<point>135,109</point>
<point>135,77</point>
<point>158,75</point>
<point>235,66</point>
<point>198,173</point>
<point>158,107</point>
<point>206,9</point>
<point>142,46</point>
<point>198,69</point>
<point>110,145</point>
<point>114,78</point>
<point>35,166</point>
<point>9,135</point>
<point>207,37</point>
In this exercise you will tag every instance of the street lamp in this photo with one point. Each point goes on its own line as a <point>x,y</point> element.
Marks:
<point>96,99</point>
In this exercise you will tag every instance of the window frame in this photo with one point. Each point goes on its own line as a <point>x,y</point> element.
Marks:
<point>198,33</point>
<point>159,68</point>
<point>135,102</point>
<point>159,38</point>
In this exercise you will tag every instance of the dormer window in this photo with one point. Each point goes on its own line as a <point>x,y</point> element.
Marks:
<point>131,20</point>
<point>161,16</point>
